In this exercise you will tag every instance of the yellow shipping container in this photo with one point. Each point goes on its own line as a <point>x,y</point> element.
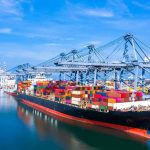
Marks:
<point>130,89</point>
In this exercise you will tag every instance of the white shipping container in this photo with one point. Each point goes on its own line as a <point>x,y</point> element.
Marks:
<point>32,93</point>
<point>27,92</point>
<point>133,99</point>
<point>31,88</point>
<point>76,92</point>
<point>76,102</point>
<point>95,106</point>
<point>111,104</point>
<point>75,99</point>
<point>129,104</point>
<point>133,95</point>
<point>130,99</point>
<point>86,95</point>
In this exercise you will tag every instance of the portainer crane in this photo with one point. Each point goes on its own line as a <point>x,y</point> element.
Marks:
<point>117,60</point>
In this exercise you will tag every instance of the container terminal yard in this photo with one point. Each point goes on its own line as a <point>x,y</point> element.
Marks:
<point>105,86</point>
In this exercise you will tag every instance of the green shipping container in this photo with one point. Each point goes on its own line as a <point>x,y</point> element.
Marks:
<point>103,107</point>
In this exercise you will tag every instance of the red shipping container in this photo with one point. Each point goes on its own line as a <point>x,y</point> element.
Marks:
<point>139,94</point>
<point>126,99</point>
<point>97,96</point>
<point>104,103</point>
<point>89,105</point>
<point>96,103</point>
<point>110,108</point>
<point>94,99</point>
<point>114,94</point>
<point>77,96</point>
<point>88,88</point>
<point>123,95</point>
<point>59,90</point>
<point>105,100</point>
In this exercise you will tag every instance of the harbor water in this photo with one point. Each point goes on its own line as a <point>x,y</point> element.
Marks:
<point>24,128</point>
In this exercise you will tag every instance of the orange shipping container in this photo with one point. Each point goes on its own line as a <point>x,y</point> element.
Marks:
<point>96,103</point>
<point>111,100</point>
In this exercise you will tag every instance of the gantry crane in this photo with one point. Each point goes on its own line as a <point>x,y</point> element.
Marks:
<point>117,60</point>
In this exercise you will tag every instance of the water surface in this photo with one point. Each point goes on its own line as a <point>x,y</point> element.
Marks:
<point>23,128</point>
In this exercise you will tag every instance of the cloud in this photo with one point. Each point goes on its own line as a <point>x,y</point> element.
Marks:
<point>119,7</point>
<point>69,39</point>
<point>5,30</point>
<point>109,9</point>
<point>13,9</point>
<point>52,44</point>
<point>10,7</point>
<point>76,10</point>
<point>97,13</point>
<point>147,7</point>
<point>96,42</point>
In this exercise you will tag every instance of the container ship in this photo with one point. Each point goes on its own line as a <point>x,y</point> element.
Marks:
<point>8,85</point>
<point>117,109</point>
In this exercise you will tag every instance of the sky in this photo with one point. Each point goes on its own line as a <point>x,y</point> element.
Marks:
<point>36,30</point>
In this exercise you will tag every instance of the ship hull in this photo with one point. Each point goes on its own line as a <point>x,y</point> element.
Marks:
<point>11,93</point>
<point>130,122</point>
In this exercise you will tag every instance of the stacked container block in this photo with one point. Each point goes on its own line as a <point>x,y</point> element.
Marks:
<point>81,96</point>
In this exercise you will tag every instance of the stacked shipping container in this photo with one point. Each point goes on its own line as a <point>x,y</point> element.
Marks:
<point>81,96</point>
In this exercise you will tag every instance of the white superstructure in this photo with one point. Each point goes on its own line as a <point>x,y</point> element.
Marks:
<point>38,77</point>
